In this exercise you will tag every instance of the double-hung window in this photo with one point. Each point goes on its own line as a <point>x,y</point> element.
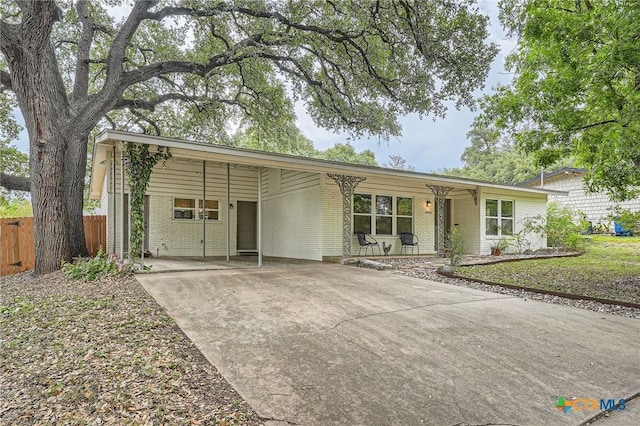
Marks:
<point>404,214</point>
<point>211,209</point>
<point>382,214</point>
<point>362,213</point>
<point>499,216</point>
<point>185,208</point>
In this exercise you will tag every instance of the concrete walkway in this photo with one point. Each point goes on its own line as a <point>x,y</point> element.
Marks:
<point>329,344</point>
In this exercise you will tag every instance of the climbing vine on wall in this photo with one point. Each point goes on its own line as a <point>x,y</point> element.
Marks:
<point>139,164</point>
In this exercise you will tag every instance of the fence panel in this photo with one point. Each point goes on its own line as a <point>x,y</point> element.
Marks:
<point>95,232</point>
<point>17,252</point>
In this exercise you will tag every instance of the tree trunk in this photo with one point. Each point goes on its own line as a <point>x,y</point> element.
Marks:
<point>51,229</point>
<point>40,93</point>
<point>75,172</point>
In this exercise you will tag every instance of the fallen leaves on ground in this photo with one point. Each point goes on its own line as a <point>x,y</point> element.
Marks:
<point>102,353</point>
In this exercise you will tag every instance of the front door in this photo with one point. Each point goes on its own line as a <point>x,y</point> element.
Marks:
<point>247,224</point>
<point>145,208</point>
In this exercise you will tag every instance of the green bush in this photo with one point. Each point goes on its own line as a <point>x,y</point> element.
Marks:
<point>92,268</point>
<point>562,226</point>
<point>454,246</point>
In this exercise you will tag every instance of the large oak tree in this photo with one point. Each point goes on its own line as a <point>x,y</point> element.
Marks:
<point>190,68</point>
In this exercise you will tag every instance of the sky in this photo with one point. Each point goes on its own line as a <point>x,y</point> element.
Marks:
<point>428,145</point>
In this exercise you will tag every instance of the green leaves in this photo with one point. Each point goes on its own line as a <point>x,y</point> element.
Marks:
<point>576,87</point>
<point>139,165</point>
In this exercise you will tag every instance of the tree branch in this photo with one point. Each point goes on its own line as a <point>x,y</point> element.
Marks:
<point>37,22</point>
<point>588,126</point>
<point>8,34</point>
<point>5,81</point>
<point>15,183</point>
<point>81,82</point>
<point>228,57</point>
<point>185,11</point>
<point>142,117</point>
<point>150,105</point>
<point>115,57</point>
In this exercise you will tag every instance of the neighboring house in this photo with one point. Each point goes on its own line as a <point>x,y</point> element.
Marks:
<point>210,200</point>
<point>596,207</point>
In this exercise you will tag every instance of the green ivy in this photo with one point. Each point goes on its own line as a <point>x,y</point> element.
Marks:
<point>140,162</point>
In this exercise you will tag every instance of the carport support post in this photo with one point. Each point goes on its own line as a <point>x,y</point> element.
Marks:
<point>122,235</point>
<point>259,216</point>
<point>441,197</point>
<point>204,209</point>
<point>347,185</point>
<point>228,216</point>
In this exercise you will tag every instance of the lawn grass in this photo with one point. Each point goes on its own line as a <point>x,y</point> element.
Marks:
<point>609,269</point>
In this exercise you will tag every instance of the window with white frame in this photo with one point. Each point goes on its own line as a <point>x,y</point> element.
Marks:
<point>211,209</point>
<point>404,214</point>
<point>382,214</point>
<point>362,213</point>
<point>499,216</point>
<point>185,208</point>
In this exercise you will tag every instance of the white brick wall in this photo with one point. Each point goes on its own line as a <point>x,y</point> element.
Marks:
<point>292,215</point>
<point>597,207</point>
<point>524,207</point>
<point>467,215</point>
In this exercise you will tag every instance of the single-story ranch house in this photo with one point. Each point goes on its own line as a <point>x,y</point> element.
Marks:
<point>211,200</point>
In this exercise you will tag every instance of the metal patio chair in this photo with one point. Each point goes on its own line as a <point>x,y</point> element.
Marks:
<point>366,241</point>
<point>407,239</point>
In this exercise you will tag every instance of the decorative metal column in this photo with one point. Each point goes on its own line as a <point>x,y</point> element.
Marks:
<point>441,196</point>
<point>347,185</point>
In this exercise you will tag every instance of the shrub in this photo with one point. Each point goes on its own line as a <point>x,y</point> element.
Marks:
<point>562,226</point>
<point>454,246</point>
<point>92,268</point>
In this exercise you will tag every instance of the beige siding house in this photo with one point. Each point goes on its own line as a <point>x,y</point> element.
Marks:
<point>211,200</point>
<point>596,207</point>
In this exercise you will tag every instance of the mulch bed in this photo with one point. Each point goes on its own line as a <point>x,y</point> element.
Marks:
<point>102,353</point>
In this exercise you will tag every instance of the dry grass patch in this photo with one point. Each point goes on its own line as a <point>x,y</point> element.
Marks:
<point>102,353</point>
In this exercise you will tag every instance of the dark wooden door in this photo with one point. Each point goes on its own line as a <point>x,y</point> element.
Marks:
<point>247,226</point>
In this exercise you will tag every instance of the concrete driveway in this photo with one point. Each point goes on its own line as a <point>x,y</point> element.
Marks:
<point>330,344</point>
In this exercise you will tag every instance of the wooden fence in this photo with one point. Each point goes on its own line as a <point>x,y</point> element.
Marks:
<point>17,253</point>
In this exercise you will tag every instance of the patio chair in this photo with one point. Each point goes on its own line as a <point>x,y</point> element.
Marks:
<point>366,241</point>
<point>407,239</point>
